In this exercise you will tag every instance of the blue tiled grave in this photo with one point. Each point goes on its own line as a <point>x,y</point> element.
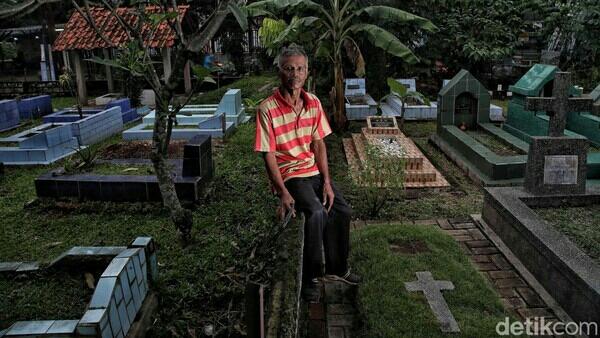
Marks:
<point>128,113</point>
<point>118,297</point>
<point>359,104</point>
<point>98,127</point>
<point>43,144</point>
<point>193,172</point>
<point>36,106</point>
<point>69,115</point>
<point>194,115</point>
<point>9,114</point>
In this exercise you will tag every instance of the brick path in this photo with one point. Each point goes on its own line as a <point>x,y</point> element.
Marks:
<point>337,315</point>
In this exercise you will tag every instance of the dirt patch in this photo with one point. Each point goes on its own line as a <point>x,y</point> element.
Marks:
<point>138,149</point>
<point>408,247</point>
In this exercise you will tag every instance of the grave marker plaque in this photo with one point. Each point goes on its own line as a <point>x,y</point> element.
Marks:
<point>560,169</point>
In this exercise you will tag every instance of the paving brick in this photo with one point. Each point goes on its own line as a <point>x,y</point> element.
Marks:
<point>484,251</point>
<point>478,244</point>
<point>501,262</point>
<point>509,282</point>
<point>340,309</point>
<point>444,224</point>
<point>513,303</point>
<point>480,258</point>
<point>455,232</point>
<point>459,220</point>
<point>464,248</point>
<point>476,234</point>
<point>503,274</point>
<point>483,266</point>
<point>469,225</point>
<point>535,312</point>
<point>507,292</point>
<point>316,311</point>
<point>531,297</point>
<point>340,320</point>
<point>27,328</point>
<point>462,238</point>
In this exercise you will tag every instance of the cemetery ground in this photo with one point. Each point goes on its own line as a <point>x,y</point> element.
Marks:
<point>204,283</point>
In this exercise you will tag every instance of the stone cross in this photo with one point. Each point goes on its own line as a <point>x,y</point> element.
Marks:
<point>432,290</point>
<point>559,105</point>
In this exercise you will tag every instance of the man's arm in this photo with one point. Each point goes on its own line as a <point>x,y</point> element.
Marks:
<point>320,151</point>
<point>287,202</point>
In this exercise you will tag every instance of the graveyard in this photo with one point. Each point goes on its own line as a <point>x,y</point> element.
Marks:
<point>158,169</point>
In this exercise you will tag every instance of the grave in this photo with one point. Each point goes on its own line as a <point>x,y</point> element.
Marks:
<point>106,98</point>
<point>192,173</point>
<point>383,132</point>
<point>195,120</point>
<point>463,125</point>
<point>36,106</point>
<point>359,104</point>
<point>43,144</point>
<point>128,113</point>
<point>9,115</point>
<point>121,297</point>
<point>555,178</point>
<point>525,123</point>
<point>417,111</point>
<point>50,142</point>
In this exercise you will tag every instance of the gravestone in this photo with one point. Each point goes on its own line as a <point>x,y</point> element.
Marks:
<point>556,163</point>
<point>197,157</point>
<point>432,290</point>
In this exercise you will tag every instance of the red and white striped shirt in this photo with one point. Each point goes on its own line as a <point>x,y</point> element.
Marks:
<point>279,129</point>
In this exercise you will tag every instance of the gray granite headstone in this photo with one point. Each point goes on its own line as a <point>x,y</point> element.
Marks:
<point>557,164</point>
<point>432,290</point>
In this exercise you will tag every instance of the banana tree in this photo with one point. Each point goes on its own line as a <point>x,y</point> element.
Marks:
<point>401,91</point>
<point>335,27</point>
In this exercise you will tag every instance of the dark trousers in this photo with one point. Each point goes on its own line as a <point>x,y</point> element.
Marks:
<point>324,232</point>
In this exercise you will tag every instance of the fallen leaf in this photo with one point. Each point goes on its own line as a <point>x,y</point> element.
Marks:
<point>89,280</point>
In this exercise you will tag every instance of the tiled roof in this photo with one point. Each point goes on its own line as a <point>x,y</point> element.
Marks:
<point>78,34</point>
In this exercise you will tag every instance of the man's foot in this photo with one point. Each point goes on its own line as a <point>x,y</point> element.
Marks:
<point>311,292</point>
<point>348,278</point>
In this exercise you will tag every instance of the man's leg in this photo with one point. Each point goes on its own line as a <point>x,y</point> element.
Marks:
<point>337,234</point>
<point>307,202</point>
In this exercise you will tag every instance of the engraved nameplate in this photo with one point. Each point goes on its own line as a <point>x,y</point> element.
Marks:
<point>560,169</point>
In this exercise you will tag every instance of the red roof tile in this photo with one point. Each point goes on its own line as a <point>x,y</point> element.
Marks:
<point>79,34</point>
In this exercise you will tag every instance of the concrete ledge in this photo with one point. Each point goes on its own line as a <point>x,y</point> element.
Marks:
<point>567,273</point>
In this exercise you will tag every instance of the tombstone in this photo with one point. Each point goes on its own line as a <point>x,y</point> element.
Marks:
<point>463,102</point>
<point>432,290</point>
<point>9,114</point>
<point>557,164</point>
<point>411,84</point>
<point>197,157</point>
<point>550,58</point>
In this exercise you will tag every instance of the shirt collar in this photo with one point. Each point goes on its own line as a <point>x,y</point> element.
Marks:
<point>305,98</point>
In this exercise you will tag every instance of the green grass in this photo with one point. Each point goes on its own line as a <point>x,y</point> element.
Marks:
<point>461,199</point>
<point>63,102</point>
<point>580,224</point>
<point>202,284</point>
<point>503,104</point>
<point>494,144</point>
<point>249,85</point>
<point>391,311</point>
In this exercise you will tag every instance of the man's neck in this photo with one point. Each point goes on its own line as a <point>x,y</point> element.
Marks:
<point>291,96</point>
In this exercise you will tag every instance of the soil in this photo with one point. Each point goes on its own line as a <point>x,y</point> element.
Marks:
<point>139,149</point>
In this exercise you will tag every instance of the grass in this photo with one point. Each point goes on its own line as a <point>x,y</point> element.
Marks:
<point>63,102</point>
<point>463,198</point>
<point>503,104</point>
<point>580,224</point>
<point>494,144</point>
<point>203,284</point>
<point>249,85</point>
<point>391,311</point>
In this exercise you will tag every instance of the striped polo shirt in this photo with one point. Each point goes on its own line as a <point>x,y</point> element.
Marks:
<point>279,129</point>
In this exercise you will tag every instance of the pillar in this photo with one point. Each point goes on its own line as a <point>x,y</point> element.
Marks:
<point>166,56</point>
<point>187,78</point>
<point>109,78</point>
<point>79,77</point>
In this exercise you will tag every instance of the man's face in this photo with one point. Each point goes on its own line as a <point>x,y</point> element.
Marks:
<point>293,71</point>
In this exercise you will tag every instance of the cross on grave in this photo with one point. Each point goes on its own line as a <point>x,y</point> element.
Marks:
<point>560,104</point>
<point>432,290</point>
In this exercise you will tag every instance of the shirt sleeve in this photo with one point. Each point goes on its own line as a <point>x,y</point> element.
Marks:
<point>265,135</point>
<point>322,127</point>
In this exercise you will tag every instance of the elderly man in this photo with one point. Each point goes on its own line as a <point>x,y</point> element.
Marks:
<point>290,127</point>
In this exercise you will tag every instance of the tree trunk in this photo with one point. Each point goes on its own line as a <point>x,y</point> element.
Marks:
<point>339,104</point>
<point>181,217</point>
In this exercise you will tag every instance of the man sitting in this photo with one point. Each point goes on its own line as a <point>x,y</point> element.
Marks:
<point>290,127</point>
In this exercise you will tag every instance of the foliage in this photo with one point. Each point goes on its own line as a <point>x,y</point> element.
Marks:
<point>250,87</point>
<point>269,31</point>
<point>380,179</point>
<point>401,91</point>
<point>84,161</point>
<point>128,65</point>
<point>334,28</point>
<point>8,51</point>
<point>67,80</point>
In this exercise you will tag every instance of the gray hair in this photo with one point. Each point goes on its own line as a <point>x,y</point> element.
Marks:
<point>291,50</point>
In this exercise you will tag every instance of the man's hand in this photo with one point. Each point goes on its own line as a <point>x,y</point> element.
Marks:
<point>328,195</point>
<point>287,204</point>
